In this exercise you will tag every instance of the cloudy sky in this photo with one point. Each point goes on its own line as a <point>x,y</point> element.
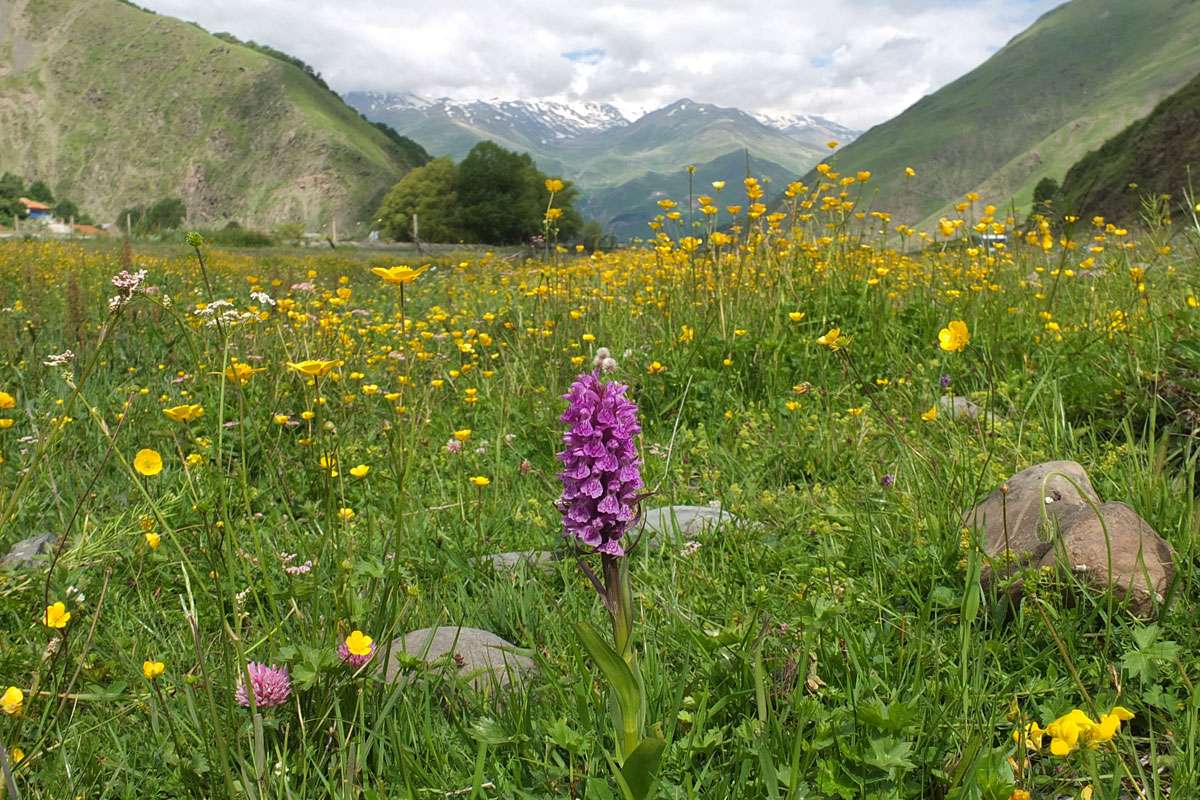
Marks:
<point>855,61</point>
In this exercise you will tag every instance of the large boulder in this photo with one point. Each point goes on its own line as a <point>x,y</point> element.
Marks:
<point>1011,522</point>
<point>479,657</point>
<point>1115,549</point>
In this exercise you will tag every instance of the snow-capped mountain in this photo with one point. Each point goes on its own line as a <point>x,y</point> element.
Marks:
<point>808,126</point>
<point>538,121</point>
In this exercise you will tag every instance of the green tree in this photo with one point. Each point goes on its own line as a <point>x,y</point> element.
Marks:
<point>166,214</point>
<point>1044,193</point>
<point>38,190</point>
<point>67,210</point>
<point>290,232</point>
<point>503,197</point>
<point>429,192</point>
<point>131,217</point>
<point>592,236</point>
<point>12,187</point>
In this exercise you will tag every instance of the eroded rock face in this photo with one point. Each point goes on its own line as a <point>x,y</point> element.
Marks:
<point>479,657</point>
<point>1115,549</point>
<point>677,524</point>
<point>1010,519</point>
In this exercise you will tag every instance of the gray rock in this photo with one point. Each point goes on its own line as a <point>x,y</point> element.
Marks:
<point>959,407</point>
<point>532,559</point>
<point>479,657</point>
<point>1010,519</point>
<point>1117,550</point>
<point>26,553</point>
<point>676,524</point>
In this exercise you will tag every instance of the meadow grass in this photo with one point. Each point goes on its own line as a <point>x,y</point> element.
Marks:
<point>838,645</point>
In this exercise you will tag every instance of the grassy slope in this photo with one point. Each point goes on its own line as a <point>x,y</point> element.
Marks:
<point>625,209</point>
<point>114,106</point>
<point>671,138</point>
<point>1075,78</point>
<point>1155,153</point>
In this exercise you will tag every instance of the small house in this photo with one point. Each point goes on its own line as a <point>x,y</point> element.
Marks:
<point>35,210</point>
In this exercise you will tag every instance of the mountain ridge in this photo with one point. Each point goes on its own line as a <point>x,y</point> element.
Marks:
<point>611,158</point>
<point>1031,110</point>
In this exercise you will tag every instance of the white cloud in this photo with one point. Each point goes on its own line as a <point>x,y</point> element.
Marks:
<point>855,61</point>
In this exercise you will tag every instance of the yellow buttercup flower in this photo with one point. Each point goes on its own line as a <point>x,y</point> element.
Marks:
<point>152,539</point>
<point>480,481</point>
<point>7,401</point>
<point>360,471</point>
<point>12,701</point>
<point>954,337</point>
<point>398,276</point>
<point>552,185</point>
<point>832,339</point>
<point>463,434</point>
<point>931,414</point>
<point>148,462</point>
<point>346,514</point>
<point>56,616</point>
<point>184,413</point>
<point>312,368</point>
<point>152,669</point>
<point>240,373</point>
<point>796,316</point>
<point>359,644</point>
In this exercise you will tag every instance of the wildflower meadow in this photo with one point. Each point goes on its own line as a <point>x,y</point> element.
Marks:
<point>687,519</point>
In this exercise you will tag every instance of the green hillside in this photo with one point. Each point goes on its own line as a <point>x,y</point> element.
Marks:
<point>685,132</point>
<point>1075,78</point>
<point>115,106</point>
<point>624,210</point>
<point>1157,155</point>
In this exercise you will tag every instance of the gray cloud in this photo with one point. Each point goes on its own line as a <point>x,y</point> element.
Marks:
<point>855,61</point>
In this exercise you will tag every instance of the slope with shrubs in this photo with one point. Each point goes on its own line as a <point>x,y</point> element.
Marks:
<point>117,106</point>
<point>1075,78</point>
<point>1158,155</point>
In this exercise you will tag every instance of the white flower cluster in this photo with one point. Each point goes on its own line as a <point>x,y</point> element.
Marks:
<point>604,360</point>
<point>127,283</point>
<point>222,312</point>
<point>59,359</point>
